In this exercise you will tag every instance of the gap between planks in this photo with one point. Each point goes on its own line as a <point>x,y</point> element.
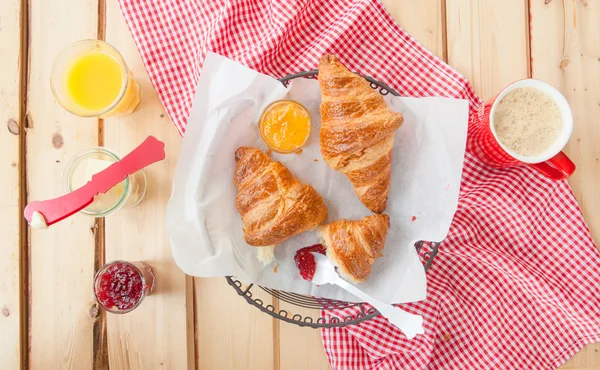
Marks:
<point>99,336</point>
<point>24,245</point>
<point>444,21</point>
<point>193,360</point>
<point>528,38</point>
<point>276,336</point>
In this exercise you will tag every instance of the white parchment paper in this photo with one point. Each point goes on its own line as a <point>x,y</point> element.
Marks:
<point>205,228</point>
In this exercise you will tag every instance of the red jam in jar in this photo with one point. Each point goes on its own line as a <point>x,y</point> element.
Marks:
<point>120,286</point>
<point>305,261</point>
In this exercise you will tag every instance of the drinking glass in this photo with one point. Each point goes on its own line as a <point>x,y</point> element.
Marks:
<point>91,79</point>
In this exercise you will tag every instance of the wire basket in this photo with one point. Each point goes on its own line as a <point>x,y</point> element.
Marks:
<point>312,306</point>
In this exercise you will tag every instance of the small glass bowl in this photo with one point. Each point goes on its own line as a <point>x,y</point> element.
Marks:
<point>268,109</point>
<point>142,270</point>
<point>133,188</point>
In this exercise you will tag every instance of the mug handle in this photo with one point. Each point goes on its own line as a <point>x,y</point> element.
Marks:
<point>558,167</point>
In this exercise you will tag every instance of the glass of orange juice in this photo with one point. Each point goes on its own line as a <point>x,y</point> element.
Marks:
<point>90,79</point>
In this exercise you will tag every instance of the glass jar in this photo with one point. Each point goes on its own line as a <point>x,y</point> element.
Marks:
<point>121,286</point>
<point>84,165</point>
<point>285,126</point>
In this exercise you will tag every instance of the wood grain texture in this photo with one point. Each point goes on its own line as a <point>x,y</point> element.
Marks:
<point>231,333</point>
<point>488,42</point>
<point>422,19</point>
<point>565,51</point>
<point>62,257</point>
<point>301,348</point>
<point>10,131</point>
<point>154,335</point>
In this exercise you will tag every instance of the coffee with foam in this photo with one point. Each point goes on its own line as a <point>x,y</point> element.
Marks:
<point>527,121</point>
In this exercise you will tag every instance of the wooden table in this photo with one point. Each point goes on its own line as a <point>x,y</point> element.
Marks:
<point>48,317</point>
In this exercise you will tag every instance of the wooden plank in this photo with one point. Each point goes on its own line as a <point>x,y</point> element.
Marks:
<point>565,51</point>
<point>488,42</point>
<point>62,257</point>
<point>422,19</point>
<point>10,254</point>
<point>231,334</point>
<point>301,348</point>
<point>154,335</point>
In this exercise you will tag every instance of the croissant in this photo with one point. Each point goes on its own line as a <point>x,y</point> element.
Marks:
<point>354,245</point>
<point>357,132</point>
<point>273,204</point>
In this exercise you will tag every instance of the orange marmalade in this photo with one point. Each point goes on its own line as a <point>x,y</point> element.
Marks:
<point>285,126</point>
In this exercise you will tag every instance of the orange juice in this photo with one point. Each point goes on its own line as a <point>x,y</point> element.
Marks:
<point>94,81</point>
<point>90,79</point>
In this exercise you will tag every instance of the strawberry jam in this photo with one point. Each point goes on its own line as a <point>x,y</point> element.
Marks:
<point>305,261</point>
<point>120,286</point>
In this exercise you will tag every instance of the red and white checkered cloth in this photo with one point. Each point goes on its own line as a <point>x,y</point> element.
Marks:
<point>516,284</point>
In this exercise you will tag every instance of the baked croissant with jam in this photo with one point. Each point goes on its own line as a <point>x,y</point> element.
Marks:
<point>357,132</point>
<point>274,205</point>
<point>353,246</point>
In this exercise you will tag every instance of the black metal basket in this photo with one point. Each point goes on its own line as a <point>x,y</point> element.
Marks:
<point>361,312</point>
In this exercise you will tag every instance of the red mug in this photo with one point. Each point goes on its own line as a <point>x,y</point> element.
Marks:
<point>484,143</point>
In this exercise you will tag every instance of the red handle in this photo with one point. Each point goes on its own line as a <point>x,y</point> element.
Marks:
<point>558,167</point>
<point>53,210</point>
<point>150,151</point>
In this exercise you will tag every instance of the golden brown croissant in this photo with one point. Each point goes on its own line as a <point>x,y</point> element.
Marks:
<point>357,132</point>
<point>354,245</point>
<point>273,204</point>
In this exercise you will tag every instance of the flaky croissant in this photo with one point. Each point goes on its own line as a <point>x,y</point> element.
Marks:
<point>273,204</point>
<point>357,132</point>
<point>354,245</point>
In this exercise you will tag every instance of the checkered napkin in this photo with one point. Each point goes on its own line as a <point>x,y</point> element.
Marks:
<point>516,282</point>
